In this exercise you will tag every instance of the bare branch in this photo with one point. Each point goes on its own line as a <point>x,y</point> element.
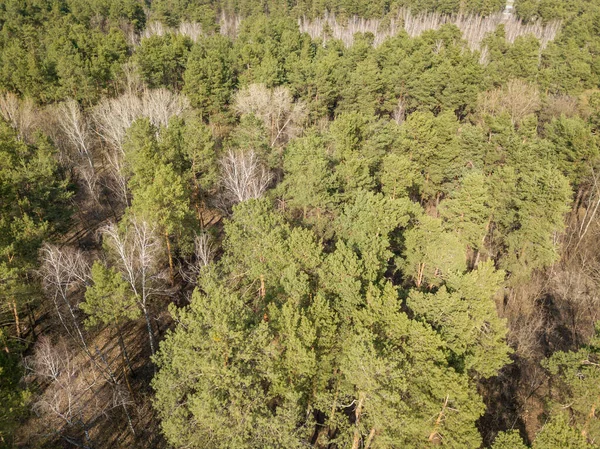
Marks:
<point>276,108</point>
<point>138,251</point>
<point>243,176</point>
<point>19,114</point>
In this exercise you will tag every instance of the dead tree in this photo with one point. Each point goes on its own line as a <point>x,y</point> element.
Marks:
<point>204,252</point>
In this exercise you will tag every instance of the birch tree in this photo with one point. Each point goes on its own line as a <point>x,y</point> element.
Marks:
<point>281,116</point>
<point>243,176</point>
<point>78,134</point>
<point>137,252</point>
<point>64,271</point>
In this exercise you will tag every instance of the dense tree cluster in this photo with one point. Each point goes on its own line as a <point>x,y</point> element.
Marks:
<point>217,231</point>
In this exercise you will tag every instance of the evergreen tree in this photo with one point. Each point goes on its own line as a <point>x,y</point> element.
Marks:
<point>210,75</point>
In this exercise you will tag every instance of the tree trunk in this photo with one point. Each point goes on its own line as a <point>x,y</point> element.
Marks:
<point>31,316</point>
<point>420,274</point>
<point>434,435</point>
<point>124,354</point>
<point>262,286</point>
<point>16,314</point>
<point>149,328</point>
<point>357,414</point>
<point>370,438</point>
<point>171,271</point>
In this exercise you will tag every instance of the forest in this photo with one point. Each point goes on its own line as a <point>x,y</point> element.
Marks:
<point>329,224</point>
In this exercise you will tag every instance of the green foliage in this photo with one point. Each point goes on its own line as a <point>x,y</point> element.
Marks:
<point>109,300</point>
<point>575,389</point>
<point>558,433</point>
<point>432,143</point>
<point>210,75</point>
<point>361,311</point>
<point>431,253</point>
<point>529,204</point>
<point>366,224</point>
<point>399,176</point>
<point>308,182</point>
<point>161,195</point>
<point>434,72</point>
<point>14,398</point>
<point>322,331</point>
<point>467,210</point>
<point>509,440</point>
<point>263,46</point>
<point>464,313</point>
<point>49,55</point>
<point>575,145</point>
<point>162,60</point>
<point>34,197</point>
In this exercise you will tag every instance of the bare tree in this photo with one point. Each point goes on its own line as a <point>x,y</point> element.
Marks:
<point>518,98</point>
<point>473,27</point>
<point>113,117</point>
<point>204,249</point>
<point>19,114</point>
<point>243,176</point>
<point>48,360</point>
<point>193,30</point>
<point>204,252</point>
<point>78,136</point>
<point>64,271</point>
<point>399,112</point>
<point>276,108</point>
<point>138,251</point>
<point>76,129</point>
<point>229,24</point>
<point>130,81</point>
<point>71,396</point>
<point>160,105</point>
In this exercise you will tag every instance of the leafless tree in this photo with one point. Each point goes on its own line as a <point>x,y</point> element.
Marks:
<point>19,114</point>
<point>474,27</point>
<point>193,30</point>
<point>204,249</point>
<point>71,396</point>
<point>154,28</point>
<point>113,117</point>
<point>130,81</point>
<point>518,98</point>
<point>138,252</point>
<point>204,252</point>
<point>276,108</point>
<point>243,176</point>
<point>48,360</point>
<point>399,112</point>
<point>229,24</point>
<point>78,136</point>
<point>160,105</point>
<point>64,271</point>
<point>76,129</point>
